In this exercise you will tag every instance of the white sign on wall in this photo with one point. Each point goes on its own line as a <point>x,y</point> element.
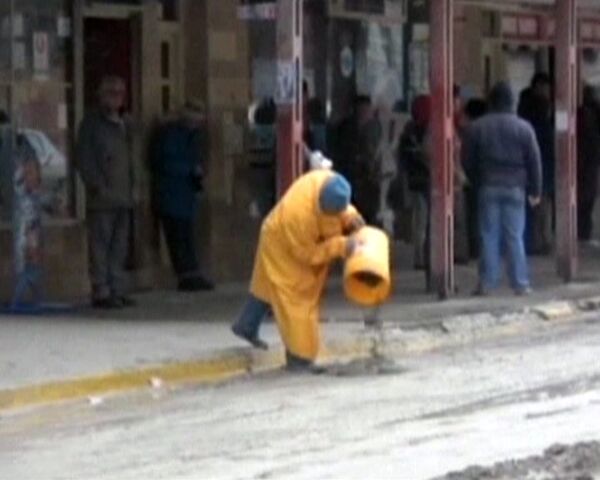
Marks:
<point>286,83</point>
<point>41,52</point>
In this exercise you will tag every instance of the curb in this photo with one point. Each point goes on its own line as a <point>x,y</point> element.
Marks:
<point>235,362</point>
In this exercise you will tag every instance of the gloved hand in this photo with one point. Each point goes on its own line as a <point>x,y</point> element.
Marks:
<point>352,244</point>
<point>354,225</point>
<point>318,161</point>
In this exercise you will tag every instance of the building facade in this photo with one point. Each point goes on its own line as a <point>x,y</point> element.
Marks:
<point>223,53</point>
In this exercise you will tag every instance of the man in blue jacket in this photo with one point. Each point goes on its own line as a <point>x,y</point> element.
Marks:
<point>178,179</point>
<point>502,151</point>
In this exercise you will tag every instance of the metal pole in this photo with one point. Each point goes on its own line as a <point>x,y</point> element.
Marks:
<point>566,139</point>
<point>289,93</point>
<point>442,161</point>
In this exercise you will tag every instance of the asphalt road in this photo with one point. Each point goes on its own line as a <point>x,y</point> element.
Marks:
<point>427,416</point>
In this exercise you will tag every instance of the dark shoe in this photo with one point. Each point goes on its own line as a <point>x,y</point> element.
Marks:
<point>125,302</point>
<point>256,342</point>
<point>107,303</point>
<point>295,364</point>
<point>311,369</point>
<point>195,284</point>
<point>523,292</point>
<point>480,292</point>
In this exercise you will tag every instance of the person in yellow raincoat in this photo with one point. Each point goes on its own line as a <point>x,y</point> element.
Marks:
<point>308,229</point>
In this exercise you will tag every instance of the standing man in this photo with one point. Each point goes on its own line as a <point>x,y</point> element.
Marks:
<point>536,106</point>
<point>178,178</point>
<point>105,165</point>
<point>354,156</point>
<point>503,150</point>
<point>588,161</point>
<point>415,159</point>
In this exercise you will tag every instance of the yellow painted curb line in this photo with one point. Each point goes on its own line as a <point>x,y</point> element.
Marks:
<point>211,370</point>
<point>201,371</point>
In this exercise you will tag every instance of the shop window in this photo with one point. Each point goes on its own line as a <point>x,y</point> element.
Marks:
<point>36,94</point>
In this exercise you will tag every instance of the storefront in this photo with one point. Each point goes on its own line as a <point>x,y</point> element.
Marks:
<point>52,55</point>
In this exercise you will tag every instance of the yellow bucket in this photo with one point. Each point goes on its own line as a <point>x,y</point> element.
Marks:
<point>367,271</point>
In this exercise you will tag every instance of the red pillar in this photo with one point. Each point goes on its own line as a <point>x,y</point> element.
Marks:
<point>566,139</point>
<point>289,93</point>
<point>442,131</point>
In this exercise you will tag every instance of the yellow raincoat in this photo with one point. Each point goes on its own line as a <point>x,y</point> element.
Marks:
<point>297,243</point>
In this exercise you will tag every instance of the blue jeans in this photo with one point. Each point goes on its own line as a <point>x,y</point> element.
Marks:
<point>501,227</point>
<point>253,313</point>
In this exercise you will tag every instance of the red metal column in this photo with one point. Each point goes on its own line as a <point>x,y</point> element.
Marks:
<point>289,93</point>
<point>566,139</point>
<point>442,131</point>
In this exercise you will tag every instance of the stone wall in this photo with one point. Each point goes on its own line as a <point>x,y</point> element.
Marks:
<point>218,71</point>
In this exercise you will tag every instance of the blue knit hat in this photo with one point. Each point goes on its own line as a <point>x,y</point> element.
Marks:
<point>335,195</point>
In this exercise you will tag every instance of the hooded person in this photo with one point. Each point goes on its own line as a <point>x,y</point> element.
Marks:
<point>503,151</point>
<point>588,161</point>
<point>309,228</point>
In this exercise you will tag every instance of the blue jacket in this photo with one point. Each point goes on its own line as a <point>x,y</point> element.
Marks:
<point>177,168</point>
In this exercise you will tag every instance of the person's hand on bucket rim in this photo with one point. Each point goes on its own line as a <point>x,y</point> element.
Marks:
<point>352,244</point>
<point>355,224</point>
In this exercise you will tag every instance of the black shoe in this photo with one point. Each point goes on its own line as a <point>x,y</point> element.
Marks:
<point>480,292</point>
<point>195,284</point>
<point>523,292</point>
<point>106,303</point>
<point>256,342</point>
<point>295,364</point>
<point>125,302</point>
<point>311,369</point>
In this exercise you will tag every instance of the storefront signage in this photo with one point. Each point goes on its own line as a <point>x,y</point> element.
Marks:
<point>541,28</point>
<point>384,11</point>
<point>522,27</point>
<point>257,11</point>
<point>41,56</point>
<point>589,31</point>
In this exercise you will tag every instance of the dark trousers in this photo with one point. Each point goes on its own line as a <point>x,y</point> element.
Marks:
<point>108,233</point>
<point>253,313</point>
<point>585,209</point>
<point>179,234</point>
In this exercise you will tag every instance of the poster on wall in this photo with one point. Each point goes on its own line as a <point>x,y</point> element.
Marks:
<point>41,54</point>
<point>347,62</point>
<point>419,68</point>
<point>27,223</point>
<point>286,83</point>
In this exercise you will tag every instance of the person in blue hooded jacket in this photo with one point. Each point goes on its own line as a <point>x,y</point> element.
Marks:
<point>178,180</point>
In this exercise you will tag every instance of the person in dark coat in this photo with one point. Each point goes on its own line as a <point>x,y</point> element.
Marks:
<point>413,155</point>
<point>473,110</point>
<point>588,161</point>
<point>178,177</point>
<point>536,107</point>
<point>354,156</point>
<point>105,163</point>
<point>503,150</point>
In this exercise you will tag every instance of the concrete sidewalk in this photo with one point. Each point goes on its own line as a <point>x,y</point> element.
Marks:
<point>182,337</point>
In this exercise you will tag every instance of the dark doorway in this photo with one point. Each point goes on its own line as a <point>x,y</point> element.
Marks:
<point>107,51</point>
